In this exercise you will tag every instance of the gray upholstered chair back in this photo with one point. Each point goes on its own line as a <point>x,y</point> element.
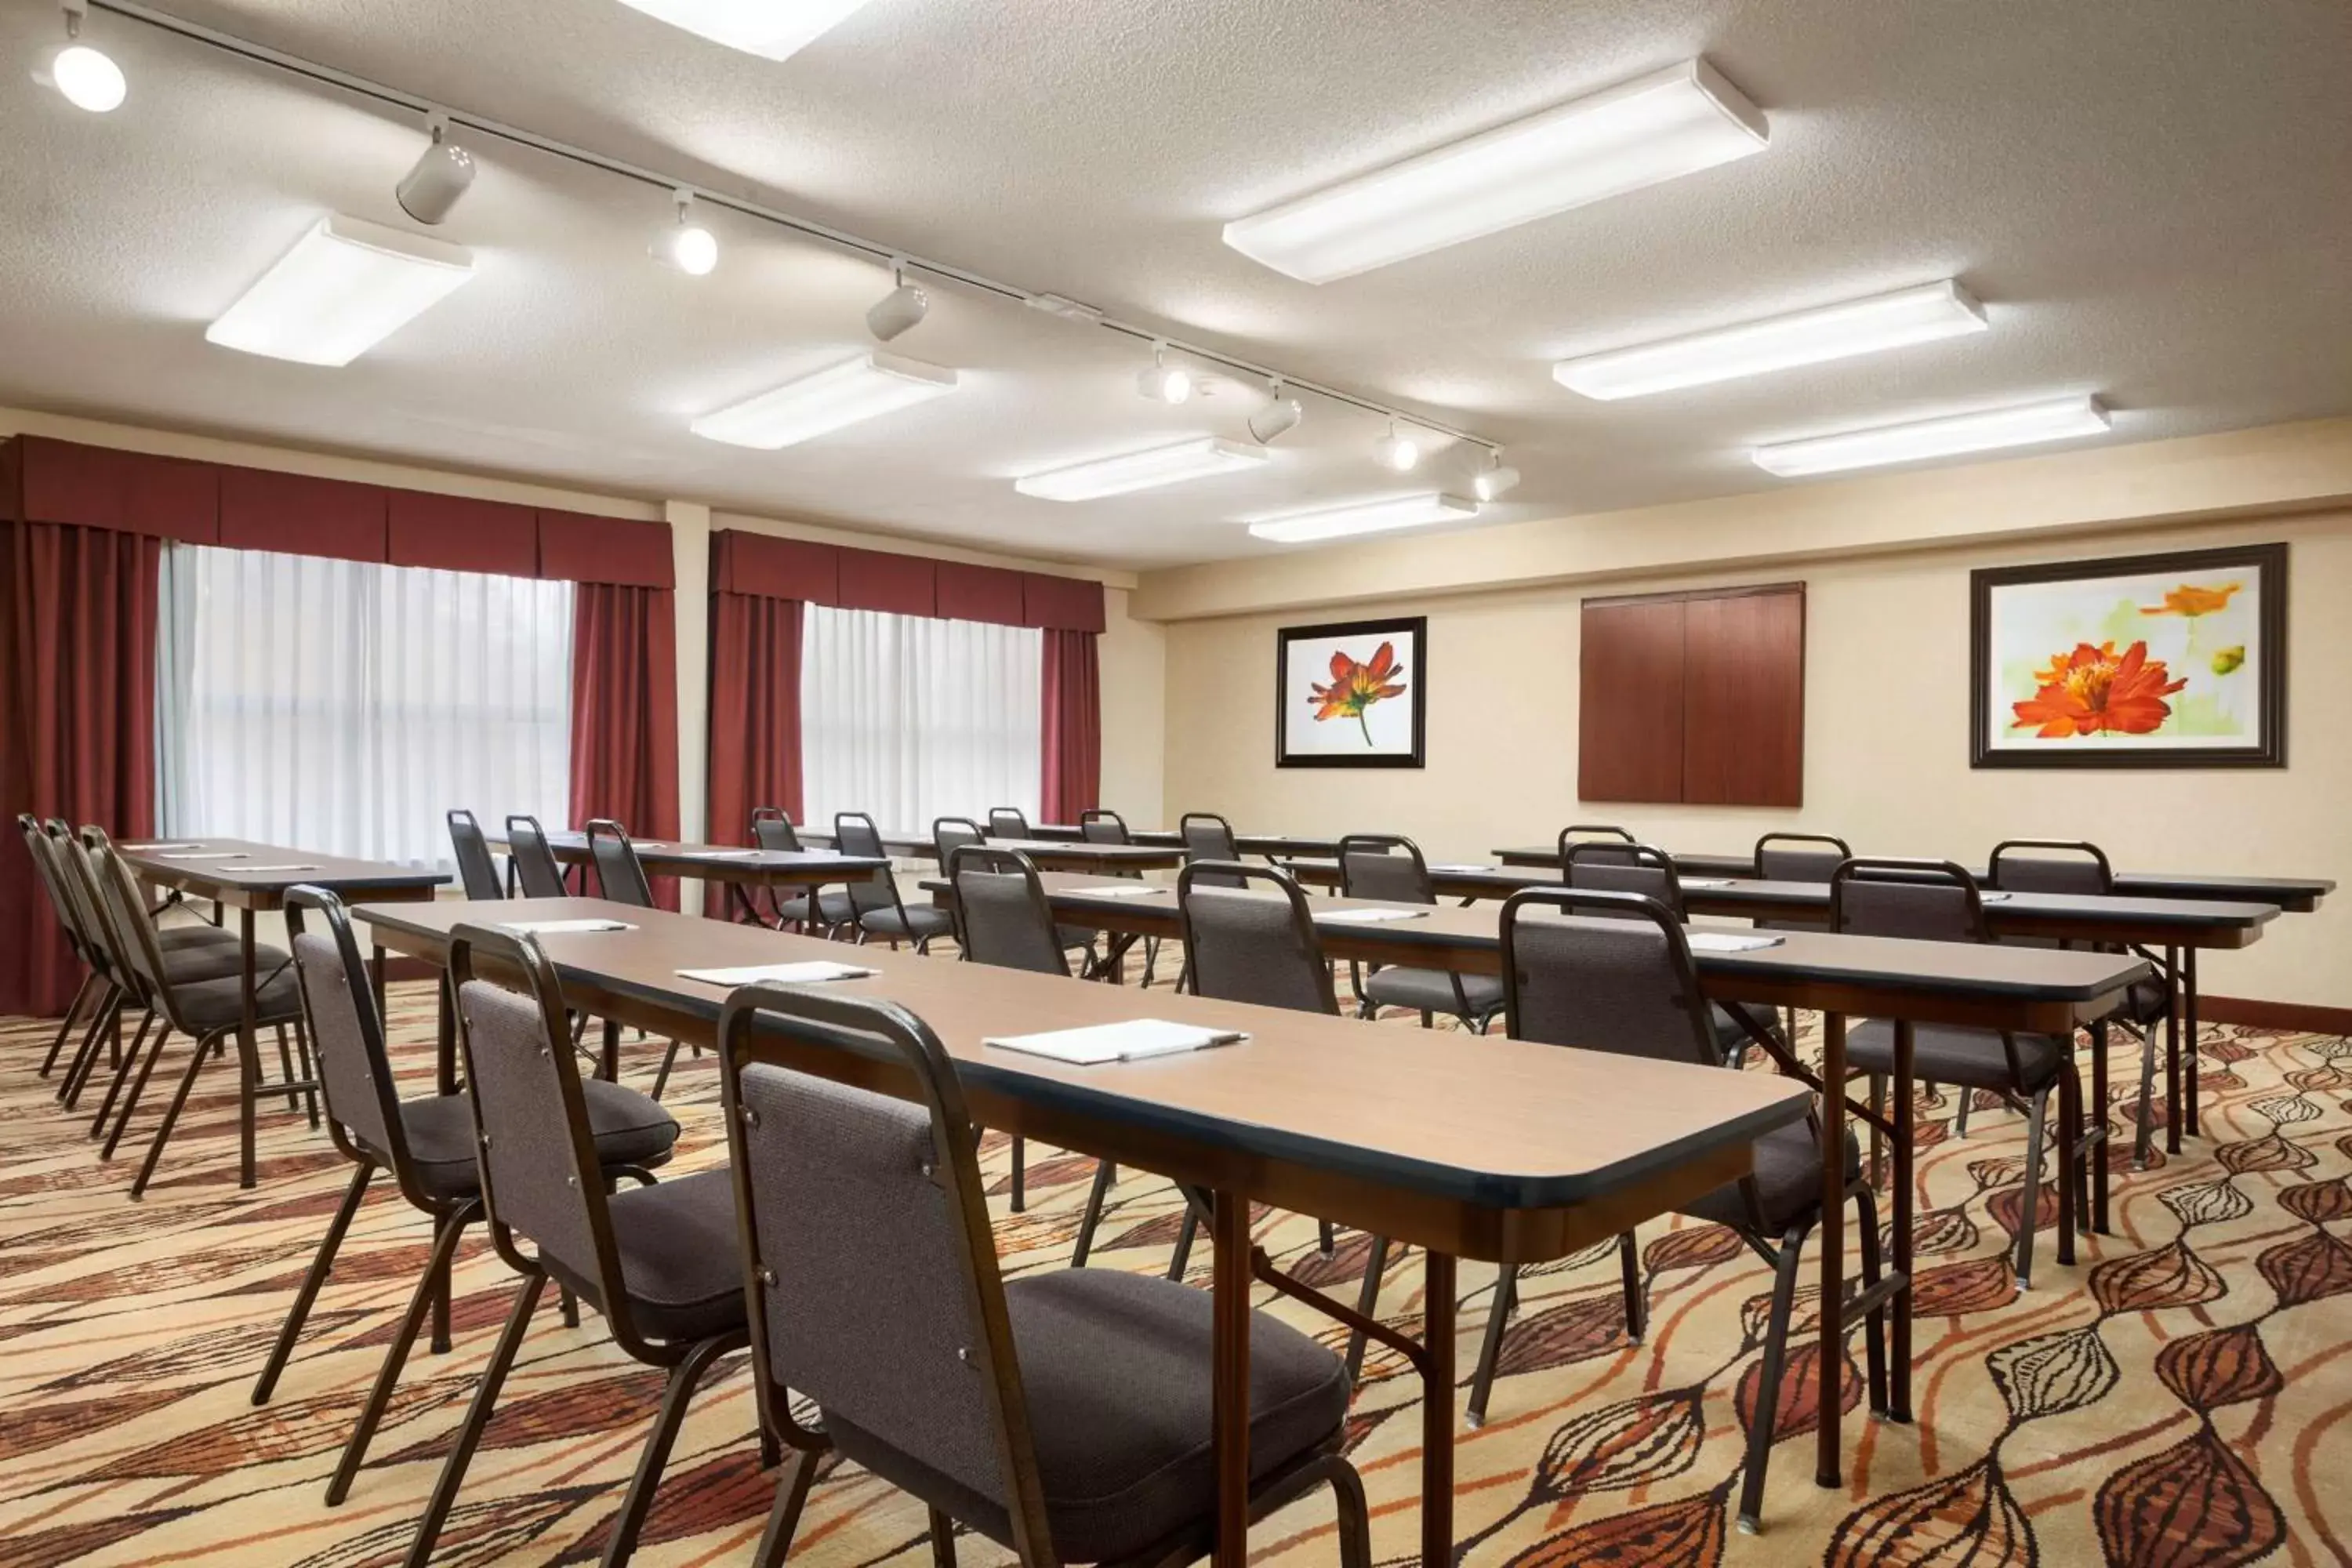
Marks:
<point>71,865</point>
<point>1002,913</point>
<point>1007,822</point>
<point>1245,945</point>
<point>1603,840</point>
<point>476,867</point>
<point>854,833</point>
<point>36,845</point>
<point>536,872</point>
<point>872,1281</point>
<point>1927,901</point>
<point>137,953</point>
<point>339,1003</point>
<point>620,875</point>
<point>1384,867</point>
<point>1610,972</point>
<point>1208,836</point>
<point>1599,865</point>
<point>949,834</point>
<point>1097,826</point>
<point>538,1165</point>
<point>2051,865</point>
<point>1799,857</point>
<point>772,830</point>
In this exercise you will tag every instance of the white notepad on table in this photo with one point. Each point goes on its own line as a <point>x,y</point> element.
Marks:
<point>277,868</point>
<point>1704,881</point>
<point>208,855</point>
<point>1461,865</point>
<point>1121,890</point>
<point>1131,1040</point>
<point>154,848</point>
<point>558,928</point>
<point>1992,898</point>
<point>1369,917</point>
<point>1727,941</point>
<point>813,973</point>
<point>726,854</point>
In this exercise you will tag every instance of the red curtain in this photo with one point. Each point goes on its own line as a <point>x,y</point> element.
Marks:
<point>625,712</point>
<point>755,715</point>
<point>1073,730</point>
<point>77,608</point>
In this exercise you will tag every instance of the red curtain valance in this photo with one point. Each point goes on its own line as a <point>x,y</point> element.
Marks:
<point>851,579</point>
<point>297,514</point>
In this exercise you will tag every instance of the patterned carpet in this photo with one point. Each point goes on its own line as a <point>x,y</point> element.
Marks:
<point>2176,1399</point>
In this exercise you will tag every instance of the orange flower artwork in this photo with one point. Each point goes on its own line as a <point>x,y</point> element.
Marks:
<point>2094,690</point>
<point>1356,687</point>
<point>2191,600</point>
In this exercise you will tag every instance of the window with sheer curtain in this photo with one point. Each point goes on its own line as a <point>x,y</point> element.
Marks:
<point>908,718</point>
<point>346,707</point>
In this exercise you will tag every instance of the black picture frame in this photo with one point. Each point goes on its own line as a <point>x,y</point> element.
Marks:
<point>1416,671</point>
<point>2270,560</point>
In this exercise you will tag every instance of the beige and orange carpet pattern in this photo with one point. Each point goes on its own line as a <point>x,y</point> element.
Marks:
<point>2177,1399</point>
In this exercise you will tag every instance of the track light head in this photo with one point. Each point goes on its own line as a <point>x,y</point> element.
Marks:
<point>1497,478</point>
<point>1161,382</point>
<point>442,173</point>
<point>684,244</point>
<point>1399,453</point>
<point>902,308</point>
<point>1278,417</point>
<point>85,77</point>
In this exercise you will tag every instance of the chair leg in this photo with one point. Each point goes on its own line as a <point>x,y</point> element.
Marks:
<point>1873,1327</point>
<point>608,1060</point>
<point>2070,1172</point>
<point>286,1067</point>
<point>396,1356</point>
<point>784,1515</point>
<point>943,1551</point>
<point>309,1070</point>
<point>170,1116</point>
<point>65,1024</point>
<point>1507,1296</point>
<point>1629,1264</point>
<point>1428,1019</point>
<point>639,1501</point>
<point>1182,1258</point>
<point>124,1071</point>
<point>1768,1392</point>
<point>1020,1173</point>
<point>154,1054</point>
<point>2143,1139</point>
<point>2028,1213</point>
<point>319,1266</point>
<point>103,1025</point>
<point>1326,1237</point>
<point>1105,1174</point>
<point>1369,1296</point>
<point>1355,1516</point>
<point>661,1078</point>
<point>1961,1116</point>
<point>478,1417</point>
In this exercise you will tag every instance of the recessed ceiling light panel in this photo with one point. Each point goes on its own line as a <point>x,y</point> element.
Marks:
<point>1659,127</point>
<point>345,287</point>
<point>1375,516</point>
<point>2024,424</point>
<point>777,30</point>
<point>1171,464</point>
<point>866,387</point>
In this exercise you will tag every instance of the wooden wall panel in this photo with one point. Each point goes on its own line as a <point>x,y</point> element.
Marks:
<point>1743,698</point>
<point>1630,714</point>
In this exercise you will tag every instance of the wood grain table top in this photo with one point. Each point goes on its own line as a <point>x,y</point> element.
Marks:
<point>725,862</point>
<point>258,875</point>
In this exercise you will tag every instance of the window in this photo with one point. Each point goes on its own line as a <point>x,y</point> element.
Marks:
<point>908,719</point>
<point>344,707</point>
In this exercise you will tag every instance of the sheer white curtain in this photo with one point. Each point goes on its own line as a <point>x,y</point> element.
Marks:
<point>344,708</point>
<point>908,719</point>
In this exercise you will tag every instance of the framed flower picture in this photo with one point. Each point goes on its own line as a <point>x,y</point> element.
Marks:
<point>1350,695</point>
<point>2148,661</point>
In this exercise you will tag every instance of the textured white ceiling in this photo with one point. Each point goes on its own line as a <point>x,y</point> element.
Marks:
<point>2154,197</point>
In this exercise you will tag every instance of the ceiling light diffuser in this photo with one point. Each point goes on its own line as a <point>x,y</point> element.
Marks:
<point>345,287</point>
<point>1365,517</point>
<point>777,30</point>
<point>88,79</point>
<point>1496,479</point>
<point>1894,320</point>
<point>866,387</point>
<point>686,244</point>
<point>1402,453</point>
<point>1658,127</point>
<point>2024,424</point>
<point>1196,459</point>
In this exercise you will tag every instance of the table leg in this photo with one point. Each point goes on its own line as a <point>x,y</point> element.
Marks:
<point>2188,1052</point>
<point>608,1061</point>
<point>2099,1123</point>
<point>445,1039</point>
<point>1831,1440</point>
<point>2070,1139</point>
<point>249,1057</point>
<point>1898,1348</point>
<point>376,978</point>
<point>1229,1236</point>
<point>2172,1053</point>
<point>1437,1305</point>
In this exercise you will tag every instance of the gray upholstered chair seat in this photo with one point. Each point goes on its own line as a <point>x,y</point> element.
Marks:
<point>630,1129</point>
<point>1431,990</point>
<point>194,938</point>
<point>209,1005</point>
<point>1787,1180</point>
<point>681,1258</point>
<point>833,907</point>
<point>922,922</point>
<point>1973,1059</point>
<point>1727,1030</point>
<point>795,909</point>
<point>217,961</point>
<point>1117,1370</point>
<point>2146,1002</point>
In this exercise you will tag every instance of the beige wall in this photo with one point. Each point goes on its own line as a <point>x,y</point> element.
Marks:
<point>1886,737</point>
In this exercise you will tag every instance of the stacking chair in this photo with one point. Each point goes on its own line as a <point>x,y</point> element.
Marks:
<point>949,834</point>
<point>660,1261</point>
<point>1384,867</point>
<point>773,831</point>
<point>532,863</point>
<point>92,982</point>
<point>620,875</point>
<point>1602,834</point>
<point>1007,822</point>
<point>2071,865</point>
<point>475,868</point>
<point>1796,857</point>
<point>1627,984</point>
<point>207,1012</point>
<point>1064,1415</point>
<point>1640,868</point>
<point>875,906</point>
<point>426,1144</point>
<point>1097,826</point>
<point>1208,836</point>
<point>1936,900</point>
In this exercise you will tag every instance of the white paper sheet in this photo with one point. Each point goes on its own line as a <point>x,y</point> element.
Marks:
<point>277,868</point>
<point>208,855</point>
<point>1728,941</point>
<point>153,848</point>
<point>725,853</point>
<point>556,928</point>
<point>814,971</point>
<point>1993,897</point>
<point>1461,865</point>
<point>1133,1039</point>
<point>1368,917</point>
<point>1704,881</point>
<point>1123,891</point>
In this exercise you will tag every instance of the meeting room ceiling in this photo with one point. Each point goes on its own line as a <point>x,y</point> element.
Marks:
<point>2152,198</point>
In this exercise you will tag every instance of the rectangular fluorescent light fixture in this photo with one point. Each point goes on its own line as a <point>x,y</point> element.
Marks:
<point>344,287</point>
<point>1894,320</point>
<point>1669,123</point>
<point>866,387</point>
<point>2058,419</point>
<point>1195,459</point>
<point>777,30</point>
<point>1365,517</point>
